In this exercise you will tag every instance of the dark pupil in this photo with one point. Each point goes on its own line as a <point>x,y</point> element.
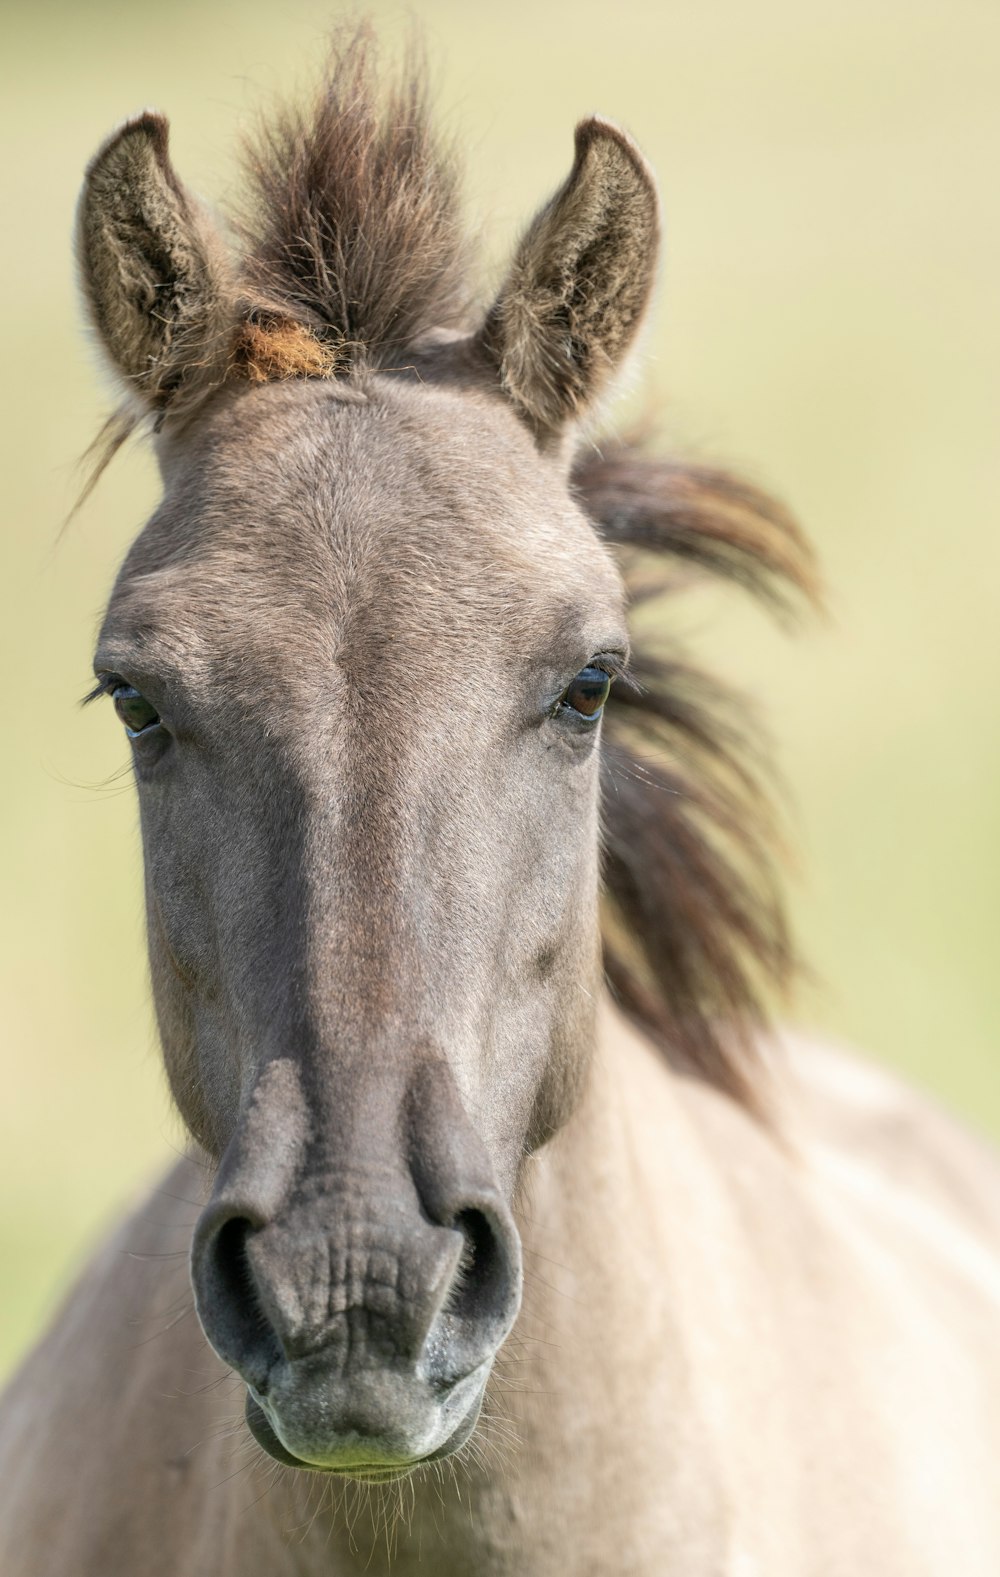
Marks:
<point>133,709</point>
<point>588,692</point>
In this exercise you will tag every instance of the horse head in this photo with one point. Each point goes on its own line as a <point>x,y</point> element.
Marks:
<point>361,652</point>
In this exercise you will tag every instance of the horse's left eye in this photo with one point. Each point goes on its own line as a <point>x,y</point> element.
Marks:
<point>133,709</point>
<point>587,693</point>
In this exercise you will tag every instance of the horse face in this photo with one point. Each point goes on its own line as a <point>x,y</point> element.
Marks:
<point>361,650</point>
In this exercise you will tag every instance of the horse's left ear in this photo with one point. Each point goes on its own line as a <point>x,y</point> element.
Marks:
<point>579,284</point>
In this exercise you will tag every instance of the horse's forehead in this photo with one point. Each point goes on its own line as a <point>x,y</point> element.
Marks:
<point>434,493</point>
<point>306,515</point>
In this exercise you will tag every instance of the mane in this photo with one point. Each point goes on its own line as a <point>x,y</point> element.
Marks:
<point>352,225</point>
<point>696,944</point>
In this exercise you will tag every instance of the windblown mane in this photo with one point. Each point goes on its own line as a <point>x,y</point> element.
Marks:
<point>353,252</point>
<point>695,937</point>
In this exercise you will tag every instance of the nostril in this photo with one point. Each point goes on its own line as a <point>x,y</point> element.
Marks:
<point>479,1286</point>
<point>233,1274</point>
<point>229,1303</point>
<point>482,1300</point>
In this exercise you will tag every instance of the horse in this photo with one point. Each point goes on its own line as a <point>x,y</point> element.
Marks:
<point>520,1241</point>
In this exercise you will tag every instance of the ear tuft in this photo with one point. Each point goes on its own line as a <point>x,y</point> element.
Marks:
<point>579,284</point>
<point>153,270</point>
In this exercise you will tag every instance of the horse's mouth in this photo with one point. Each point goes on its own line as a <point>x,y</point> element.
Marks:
<point>267,1437</point>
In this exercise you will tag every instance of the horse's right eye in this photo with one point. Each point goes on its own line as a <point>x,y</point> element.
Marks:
<point>134,710</point>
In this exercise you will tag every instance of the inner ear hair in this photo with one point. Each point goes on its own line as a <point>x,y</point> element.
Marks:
<point>579,284</point>
<point>154,271</point>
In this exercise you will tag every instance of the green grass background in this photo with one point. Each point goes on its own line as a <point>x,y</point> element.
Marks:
<point>828,318</point>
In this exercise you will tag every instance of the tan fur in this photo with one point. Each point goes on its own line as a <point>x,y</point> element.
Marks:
<point>271,350</point>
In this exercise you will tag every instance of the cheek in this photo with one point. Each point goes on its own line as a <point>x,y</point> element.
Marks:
<point>569,1005</point>
<point>555,965</point>
<point>201,1062</point>
<point>176,1014</point>
<point>538,997</point>
<point>533,1049</point>
<point>201,1066</point>
<point>178,901</point>
<point>551,882</point>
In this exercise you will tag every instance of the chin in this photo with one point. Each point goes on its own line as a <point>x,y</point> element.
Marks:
<point>351,1456</point>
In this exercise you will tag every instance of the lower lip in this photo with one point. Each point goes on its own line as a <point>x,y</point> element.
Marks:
<point>375,1475</point>
<point>368,1472</point>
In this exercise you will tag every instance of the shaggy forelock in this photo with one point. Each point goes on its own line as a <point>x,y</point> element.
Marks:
<point>353,219</point>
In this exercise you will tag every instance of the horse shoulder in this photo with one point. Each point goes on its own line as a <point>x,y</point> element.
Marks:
<point>833,1279</point>
<point>877,1135</point>
<point>909,1202</point>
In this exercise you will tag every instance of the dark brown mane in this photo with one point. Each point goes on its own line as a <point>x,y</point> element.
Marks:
<point>354,224</point>
<point>694,931</point>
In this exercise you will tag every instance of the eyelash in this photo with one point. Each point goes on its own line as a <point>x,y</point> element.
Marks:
<point>106,683</point>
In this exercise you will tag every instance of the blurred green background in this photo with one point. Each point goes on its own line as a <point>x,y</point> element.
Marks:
<point>828,319</point>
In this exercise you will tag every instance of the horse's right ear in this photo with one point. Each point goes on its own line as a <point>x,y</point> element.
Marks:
<point>153,270</point>
<point>579,284</point>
